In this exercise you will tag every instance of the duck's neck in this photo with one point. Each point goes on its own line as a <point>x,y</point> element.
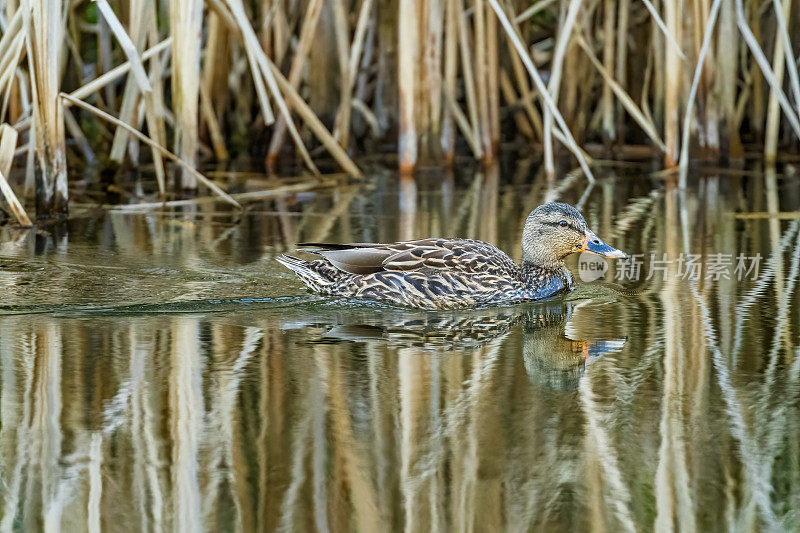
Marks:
<point>538,259</point>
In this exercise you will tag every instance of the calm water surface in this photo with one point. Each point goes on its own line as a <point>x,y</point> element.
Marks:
<point>163,372</point>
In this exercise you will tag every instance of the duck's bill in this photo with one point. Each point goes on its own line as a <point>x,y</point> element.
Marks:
<point>594,245</point>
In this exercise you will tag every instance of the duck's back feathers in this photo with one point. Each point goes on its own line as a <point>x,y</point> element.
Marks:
<point>425,255</point>
<point>428,273</point>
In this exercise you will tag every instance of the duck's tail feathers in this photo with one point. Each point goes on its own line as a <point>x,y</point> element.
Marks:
<point>306,272</point>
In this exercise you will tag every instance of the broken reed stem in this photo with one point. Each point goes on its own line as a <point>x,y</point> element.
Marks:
<point>274,192</point>
<point>8,143</point>
<point>188,167</point>
<point>531,11</point>
<point>13,203</point>
<point>117,72</point>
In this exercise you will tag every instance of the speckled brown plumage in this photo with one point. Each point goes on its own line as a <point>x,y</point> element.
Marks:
<point>439,273</point>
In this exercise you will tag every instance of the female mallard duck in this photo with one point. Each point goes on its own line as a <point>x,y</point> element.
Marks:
<point>455,273</point>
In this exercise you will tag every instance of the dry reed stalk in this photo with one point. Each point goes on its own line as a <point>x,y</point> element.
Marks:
<point>215,63</point>
<point>791,63</point>
<point>352,54</point>
<point>155,108</point>
<point>275,30</point>
<point>8,142</point>
<point>672,80</point>
<point>263,68</point>
<point>482,77</point>
<point>77,135</point>
<point>534,73</point>
<point>408,25</point>
<point>304,42</point>
<point>142,82</point>
<point>763,64</point>
<point>278,191</point>
<point>364,89</point>
<point>510,96</point>
<point>429,86</point>
<point>554,84</point>
<point>44,30</point>
<point>463,123</point>
<point>466,66</point>
<point>687,119</point>
<point>355,55</point>
<point>526,96</point>
<point>532,10</point>
<point>621,59</point>
<point>9,89</point>
<point>727,74</point>
<point>127,113</point>
<point>29,190</point>
<point>117,72</point>
<point>773,112</point>
<point>493,68</point>
<point>450,73</point>
<point>250,47</point>
<point>186,20</point>
<point>104,58</point>
<point>671,39</point>
<point>214,131</point>
<point>315,124</point>
<point>607,99</point>
<point>12,44</point>
<point>188,167</point>
<point>757,109</point>
<point>341,128</point>
<point>625,99</point>
<point>126,44</point>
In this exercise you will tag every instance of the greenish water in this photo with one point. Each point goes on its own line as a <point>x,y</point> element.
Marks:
<point>162,372</point>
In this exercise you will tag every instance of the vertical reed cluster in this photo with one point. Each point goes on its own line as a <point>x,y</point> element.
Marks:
<point>44,30</point>
<point>215,79</point>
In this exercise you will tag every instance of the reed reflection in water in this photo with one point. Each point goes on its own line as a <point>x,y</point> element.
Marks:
<point>661,403</point>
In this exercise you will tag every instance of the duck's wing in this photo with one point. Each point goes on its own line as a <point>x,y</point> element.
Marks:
<point>425,255</point>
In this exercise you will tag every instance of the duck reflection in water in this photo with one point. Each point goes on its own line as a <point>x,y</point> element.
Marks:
<point>559,337</point>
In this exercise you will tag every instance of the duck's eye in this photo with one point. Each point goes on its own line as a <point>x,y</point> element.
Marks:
<point>563,224</point>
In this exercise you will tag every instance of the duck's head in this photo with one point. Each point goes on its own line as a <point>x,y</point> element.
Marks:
<point>554,230</point>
